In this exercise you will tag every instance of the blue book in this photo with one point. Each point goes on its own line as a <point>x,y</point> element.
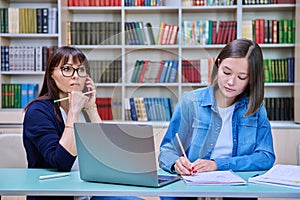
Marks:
<point>32,91</point>
<point>132,109</point>
<point>24,94</point>
<point>147,106</point>
<point>168,71</point>
<point>167,108</point>
<point>173,72</point>
<point>164,71</point>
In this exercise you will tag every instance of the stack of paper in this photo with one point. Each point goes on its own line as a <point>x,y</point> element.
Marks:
<point>281,175</point>
<point>215,177</point>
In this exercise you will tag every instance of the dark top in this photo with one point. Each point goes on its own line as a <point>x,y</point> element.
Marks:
<point>41,134</point>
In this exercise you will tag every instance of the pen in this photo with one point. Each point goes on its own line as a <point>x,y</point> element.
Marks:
<point>54,176</point>
<point>66,98</point>
<point>180,144</point>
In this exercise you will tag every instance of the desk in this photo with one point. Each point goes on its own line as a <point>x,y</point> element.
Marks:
<point>26,182</point>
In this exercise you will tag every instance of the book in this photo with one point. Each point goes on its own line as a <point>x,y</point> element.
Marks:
<point>132,109</point>
<point>226,177</point>
<point>281,175</point>
<point>140,108</point>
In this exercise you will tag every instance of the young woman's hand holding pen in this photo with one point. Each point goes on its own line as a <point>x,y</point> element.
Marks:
<point>184,167</point>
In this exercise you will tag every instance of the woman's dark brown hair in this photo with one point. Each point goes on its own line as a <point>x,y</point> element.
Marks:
<point>58,58</point>
<point>245,48</point>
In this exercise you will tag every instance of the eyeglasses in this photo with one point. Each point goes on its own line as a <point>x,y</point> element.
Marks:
<point>68,71</point>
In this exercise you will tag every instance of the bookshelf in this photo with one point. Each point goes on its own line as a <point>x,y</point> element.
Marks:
<point>173,13</point>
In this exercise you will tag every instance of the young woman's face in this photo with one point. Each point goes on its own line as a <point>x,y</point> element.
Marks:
<point>70,83</point>
<point>233,77</point>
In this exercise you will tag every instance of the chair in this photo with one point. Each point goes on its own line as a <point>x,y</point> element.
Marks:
<point>12,151</point>
<point>12,155</point>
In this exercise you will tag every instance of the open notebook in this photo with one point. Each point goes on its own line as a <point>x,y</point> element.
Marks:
<point>118,153</point>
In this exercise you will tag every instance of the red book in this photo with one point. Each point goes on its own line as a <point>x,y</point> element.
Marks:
<point>261,31</point>
<point>214,32</point>
<point>76,2</point>
<point>220,33</point>
<point>102,2</point>
<point>97,2</point>
<point>104,108</point>
<point>141,78</point>
<point>233,36</point>
<point>173,36</point>
<point>70,2</point>
<point>112,3</point>
<point>230,28</point>
<point>165,33</point>
<point>226,32</point>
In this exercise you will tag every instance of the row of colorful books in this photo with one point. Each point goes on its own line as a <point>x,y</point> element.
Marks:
<point>273,31</point>
<point>197,71</point>
<point>280,70</point>
<point>25,58</point>
<point>202,32</point>
<point>143,2</point>
<point>167,34</point>
<point>146,71</point>
<point>28,20</point>
<point>280,108</point>
<point>18,95</point>
<point>148,109</point>
<point>94,2</point>
<point>139,33</point>
<point>208,3</point>
<point>195,32</point>
<point>257,2</point>
<point>106,71</point>
<point>94,33</point>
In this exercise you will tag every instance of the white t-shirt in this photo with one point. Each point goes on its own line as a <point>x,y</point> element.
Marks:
<point>224,144</point>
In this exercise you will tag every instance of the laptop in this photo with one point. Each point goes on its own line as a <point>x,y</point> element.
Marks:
<point>118,153</point>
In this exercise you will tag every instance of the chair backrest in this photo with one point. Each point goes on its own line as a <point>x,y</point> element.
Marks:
<point>12,152</point>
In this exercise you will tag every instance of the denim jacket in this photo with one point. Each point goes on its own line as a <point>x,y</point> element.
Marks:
<point>198,123</point>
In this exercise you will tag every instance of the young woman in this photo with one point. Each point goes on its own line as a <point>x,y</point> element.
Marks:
<point>48,132</point>
<point>223,126</point>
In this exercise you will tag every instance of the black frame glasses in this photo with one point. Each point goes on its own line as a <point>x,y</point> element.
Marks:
<point>63,70</point>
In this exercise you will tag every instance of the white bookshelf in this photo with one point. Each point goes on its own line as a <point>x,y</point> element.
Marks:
<point>172,13</point>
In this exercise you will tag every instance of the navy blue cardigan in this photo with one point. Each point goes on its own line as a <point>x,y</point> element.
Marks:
<point>41,134</point>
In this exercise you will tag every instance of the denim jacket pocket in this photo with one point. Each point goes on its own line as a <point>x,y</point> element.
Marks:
<point>200,129</point>
<point>247,130</point>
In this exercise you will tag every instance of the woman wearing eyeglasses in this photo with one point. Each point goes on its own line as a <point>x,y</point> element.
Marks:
<point>48,132</point>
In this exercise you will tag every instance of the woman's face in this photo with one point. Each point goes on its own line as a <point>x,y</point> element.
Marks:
<point>68,84</point>
<point>233,77</point>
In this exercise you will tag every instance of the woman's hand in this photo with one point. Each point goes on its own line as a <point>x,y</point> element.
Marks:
<point>201,165</point>
<point>77,101</point>
<point>183,166</point>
